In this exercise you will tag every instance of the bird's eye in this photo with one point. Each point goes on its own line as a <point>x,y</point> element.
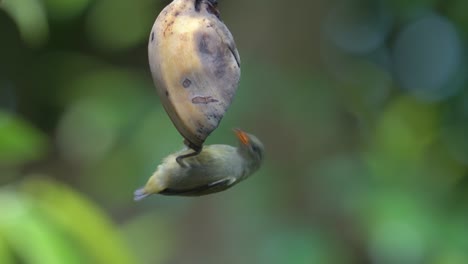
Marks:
<point>255,148</point>
<point>257,152</point>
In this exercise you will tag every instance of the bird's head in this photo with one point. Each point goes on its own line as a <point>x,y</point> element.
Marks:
<point>250,147</point>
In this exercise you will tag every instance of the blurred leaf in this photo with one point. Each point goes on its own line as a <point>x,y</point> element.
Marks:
<point>407,10</point>
<point>456,11</point>
<point>365,85</point>
<point>454,128</point>
<point>404,132</point>
<point>341,181</point>
<point>299,247</point>
<point>155,137</point>
<point>81,219</point>
<point>120,24</point>
<point>129,165</point>
<point>30,236</point>
<point>441,170</point>
<point>452,243</point>
<point>400,227</point>
<point>87,132</point>
<point>122,88</point>
<point>66,9</point>
<point>30,16</point>
<point>104,106</point>
<point>19,142</point>
<point>155,233</point>
<point>5,254</point>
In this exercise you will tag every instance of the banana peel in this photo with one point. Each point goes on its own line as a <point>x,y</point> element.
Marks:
<point>195,67</point>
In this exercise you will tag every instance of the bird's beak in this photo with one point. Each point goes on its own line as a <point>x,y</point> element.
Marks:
<point>242,136</point>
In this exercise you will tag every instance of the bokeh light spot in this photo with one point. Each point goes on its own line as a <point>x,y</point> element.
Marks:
<point>357,28</point>
<point>427,58</point>
<point>30,17</point>
<point>119,24</point>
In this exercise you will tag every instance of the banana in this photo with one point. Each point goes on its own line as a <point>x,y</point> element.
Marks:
<point>195,67</point>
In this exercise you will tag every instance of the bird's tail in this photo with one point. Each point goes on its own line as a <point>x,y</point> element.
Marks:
<point>140,194</point>
<point>154,185</point>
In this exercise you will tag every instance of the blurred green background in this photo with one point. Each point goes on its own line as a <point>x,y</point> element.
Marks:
<point>362,106</point>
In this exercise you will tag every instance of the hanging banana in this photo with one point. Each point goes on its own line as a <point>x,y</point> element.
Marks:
<point>195,66</point>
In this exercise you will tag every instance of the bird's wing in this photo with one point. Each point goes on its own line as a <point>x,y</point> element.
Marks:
<point>213,187</point>
<point>209,156</point>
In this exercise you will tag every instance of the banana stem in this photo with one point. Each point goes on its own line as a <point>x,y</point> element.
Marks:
<point>197,5</point>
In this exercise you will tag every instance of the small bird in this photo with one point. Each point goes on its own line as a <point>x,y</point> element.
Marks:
<point>216,168</point>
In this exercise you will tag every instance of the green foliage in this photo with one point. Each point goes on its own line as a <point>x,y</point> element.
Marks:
<point>30,16</point>
<point>66,10</point>
<point>19,141</point>
<point>120,24</point>
<point>47,222</point>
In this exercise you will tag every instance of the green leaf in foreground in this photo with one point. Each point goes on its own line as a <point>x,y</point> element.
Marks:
<point>19,141</point>
<point>81,219</point>
<point>30,17</point>
<point>28,235</point>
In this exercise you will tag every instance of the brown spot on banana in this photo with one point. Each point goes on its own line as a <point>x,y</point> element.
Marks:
<point>203,100</point>
<point>203,44</point>
<point>186,83</point>
<point>168,27</point>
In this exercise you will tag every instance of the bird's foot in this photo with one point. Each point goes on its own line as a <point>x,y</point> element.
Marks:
<point>180,158</point>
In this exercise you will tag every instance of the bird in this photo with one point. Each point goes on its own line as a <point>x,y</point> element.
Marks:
<point>216,168</point>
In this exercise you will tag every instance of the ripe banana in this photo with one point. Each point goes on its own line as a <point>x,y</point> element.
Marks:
<point>195,67</point>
